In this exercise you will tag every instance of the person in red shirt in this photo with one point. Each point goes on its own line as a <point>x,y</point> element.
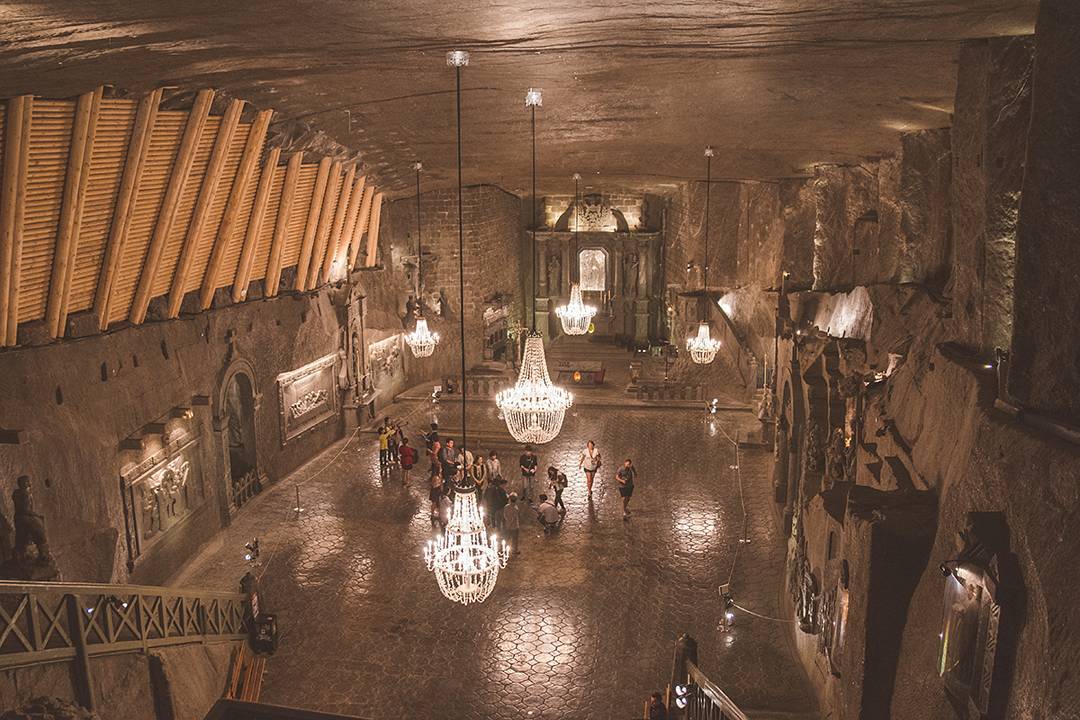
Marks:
<point>407,457</point>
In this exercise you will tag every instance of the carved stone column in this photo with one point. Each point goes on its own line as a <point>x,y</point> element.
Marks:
<point>542,310</point>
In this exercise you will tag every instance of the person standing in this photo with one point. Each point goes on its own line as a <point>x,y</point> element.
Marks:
<point>431,440</point>
<point>494,466</point>
<point>435,494</point>
<point>557,483</point>
<point>448,457</point>
<point>626,476</point>
<point>480,474</point>
<point>511,523</point>
<point>407,457</point>
<point>657,708</point>
<point>394,441</point>
<point>590,463</point>
<point>499,500</point>
<point>529,463</point>
<point>384,447</point>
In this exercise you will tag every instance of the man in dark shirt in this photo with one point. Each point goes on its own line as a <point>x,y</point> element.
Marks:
<point>626,476</point>
<point>448,458</point>
<point>529,463</point>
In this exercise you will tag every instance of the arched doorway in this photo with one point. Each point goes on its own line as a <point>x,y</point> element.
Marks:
<point>239,412</point>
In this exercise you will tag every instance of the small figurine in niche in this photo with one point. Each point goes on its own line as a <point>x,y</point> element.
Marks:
<point>29,525</point>
<point>836,457</point>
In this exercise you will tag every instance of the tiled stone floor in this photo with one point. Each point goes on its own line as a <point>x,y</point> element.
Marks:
<point>581,625</point>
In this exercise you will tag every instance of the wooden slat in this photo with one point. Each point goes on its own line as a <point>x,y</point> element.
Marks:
<point>202,205</point>
<point>115,122</point>
<point>12,197</point>
<point>361,225</point>
<point>373,231</point>
<point>326,219</point>
<point>247,254</point>
<point>67,241</point>
<point>181,169</point>
<point>277,245</point>
<point>136,155</point>
<point>338,225</point>
<point>248,163</point>
<point>261,258</point>
<point>341,257</point>
<point>314,210</point>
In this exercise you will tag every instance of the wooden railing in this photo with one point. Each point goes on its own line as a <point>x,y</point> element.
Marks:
<point>704,699</point>
<point>239,710</point>
<point>72,622</point>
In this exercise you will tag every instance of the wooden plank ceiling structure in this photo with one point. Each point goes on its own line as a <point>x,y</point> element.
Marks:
<point>108,203</point>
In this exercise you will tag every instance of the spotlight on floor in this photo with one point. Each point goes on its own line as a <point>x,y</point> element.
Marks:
<point>713,406</point>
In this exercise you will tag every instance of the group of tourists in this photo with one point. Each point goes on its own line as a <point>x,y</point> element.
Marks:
<point>503,500</point>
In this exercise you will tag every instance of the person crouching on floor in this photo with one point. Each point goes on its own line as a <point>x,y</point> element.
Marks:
<point>548,514</point>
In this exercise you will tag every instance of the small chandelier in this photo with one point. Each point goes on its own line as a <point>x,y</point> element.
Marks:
<point>534,408</point>
<point>465,559</point>
<point>421,341</point>
<point>703,347</point>
<point>576,316</point>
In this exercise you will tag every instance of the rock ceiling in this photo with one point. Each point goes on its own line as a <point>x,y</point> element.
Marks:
<point>632,90</point>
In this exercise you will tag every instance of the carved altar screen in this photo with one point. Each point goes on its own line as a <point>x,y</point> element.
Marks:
<point>308,396</point>
<point>592,264</point>
<point>160,492</point>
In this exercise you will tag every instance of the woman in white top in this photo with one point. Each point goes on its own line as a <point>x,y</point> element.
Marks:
<point>590,463</point>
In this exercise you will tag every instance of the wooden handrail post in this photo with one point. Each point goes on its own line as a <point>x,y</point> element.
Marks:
<point>84,687</point>
<point>685,651</point>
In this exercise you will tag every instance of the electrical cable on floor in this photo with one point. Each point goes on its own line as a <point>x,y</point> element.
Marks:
<point>765,617</point>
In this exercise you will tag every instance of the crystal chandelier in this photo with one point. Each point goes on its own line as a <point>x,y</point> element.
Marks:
<point>421,341</point>
<point>534,408</point>
<point>703,347</point>
<point>465,559</point>
<point>575,316</point>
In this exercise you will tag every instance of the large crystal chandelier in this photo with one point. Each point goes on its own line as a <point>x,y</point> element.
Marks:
<point>576,316</point>
<point>703,347</point>
<point>534,408</point>
<point>465,559</point>
<point>421,341</point>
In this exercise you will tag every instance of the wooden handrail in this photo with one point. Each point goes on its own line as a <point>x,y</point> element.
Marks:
<point>729,710</point>
<point>13,586</point>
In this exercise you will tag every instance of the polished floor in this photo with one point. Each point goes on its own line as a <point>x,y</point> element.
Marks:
<point>582,623</point>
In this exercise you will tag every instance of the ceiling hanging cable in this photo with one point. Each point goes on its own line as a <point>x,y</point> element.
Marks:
<point>576,317</point>
<point>465,558</point>
<point>421,341</point>
<point>703,347</point>
<point>533,408</point>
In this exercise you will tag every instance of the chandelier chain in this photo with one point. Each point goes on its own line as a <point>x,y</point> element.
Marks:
<point>461,258</point>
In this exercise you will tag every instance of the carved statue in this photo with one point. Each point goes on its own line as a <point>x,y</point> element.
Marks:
<point>815,460</point>
<point>835,458</point>
<point>765,407</point>
<point>555,273</point>
<point>29,525</point>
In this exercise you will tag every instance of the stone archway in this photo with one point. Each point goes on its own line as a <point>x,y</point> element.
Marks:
<point>235,413</point>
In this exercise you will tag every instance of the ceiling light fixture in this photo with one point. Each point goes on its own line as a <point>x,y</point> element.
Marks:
<point>421,341</point>
<point>576,316</point>
<point>465,559</point>
<point>534,408</point>
<point>703,347</point>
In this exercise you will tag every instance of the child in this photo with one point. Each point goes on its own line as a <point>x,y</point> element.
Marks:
<point>557,483</point>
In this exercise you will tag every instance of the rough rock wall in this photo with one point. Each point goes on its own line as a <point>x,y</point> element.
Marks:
<point>493,267</point>
<point>1046,335</point>
<point>685,234</point>
<point>798,213</point>
<point>989,142</point>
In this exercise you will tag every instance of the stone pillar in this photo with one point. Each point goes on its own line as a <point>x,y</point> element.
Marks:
<point>641,301</point>
<point>542,290</point>
<point>1045,365</point>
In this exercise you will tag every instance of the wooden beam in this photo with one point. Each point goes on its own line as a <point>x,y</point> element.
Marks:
<point>326,219</point>
<point>249,160</point>
<point>74,185</point>
<point>76,222</point>
<point>181,169</point>
<point>251,238</point>
<point>338,225</point>
<point>211,180</point>
<point>373,230</point>
<point>342,255</point>
<point>312,224</point>
<point>12,206</point>
<point>129,182</point>
<point>361,225</point>
<point>277,243</point>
